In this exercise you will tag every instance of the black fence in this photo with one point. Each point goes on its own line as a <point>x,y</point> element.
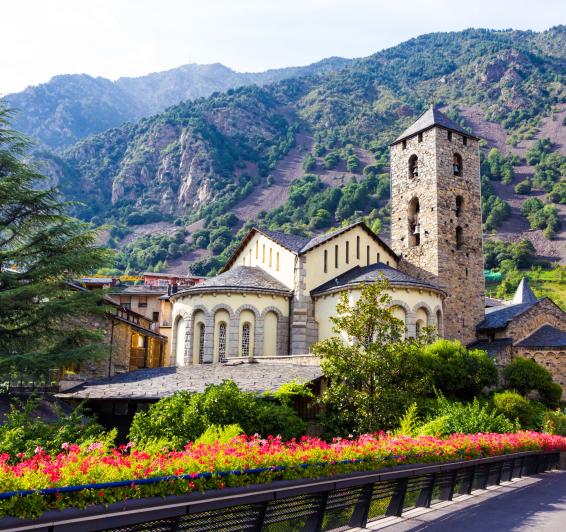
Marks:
<point>336,503</point>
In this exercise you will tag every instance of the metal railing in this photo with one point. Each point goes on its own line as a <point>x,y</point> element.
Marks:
<point>335,503</point>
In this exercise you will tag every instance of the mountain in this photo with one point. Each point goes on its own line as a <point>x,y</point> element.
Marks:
<point>202,169</point>
<point>71,107</point>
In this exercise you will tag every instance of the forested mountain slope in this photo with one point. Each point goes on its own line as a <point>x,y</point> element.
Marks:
<point>195,163</point>
<point>68,108</point>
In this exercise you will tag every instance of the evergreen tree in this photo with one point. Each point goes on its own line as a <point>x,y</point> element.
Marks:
<point>41,248</point>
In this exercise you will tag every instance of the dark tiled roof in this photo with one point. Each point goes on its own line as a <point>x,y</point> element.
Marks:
<point>371,273</point>
<point>546,336</point>
<point>431,117</point>
<point>492,348</point>
<point>140,290</point>
<point>524,294</point>
<point>162,382</point>
<point>240,277</point>
<point>293,243</point>
<point>499,317</point>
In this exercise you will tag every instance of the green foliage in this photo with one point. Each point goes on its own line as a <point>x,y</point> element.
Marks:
<point>525,376</point>
<point>185,416</point>
<point>41,248</point>
<point>549,170</point>
<point>554,423</point>
<point>541,216</point>
<point>466,418</point>
<point>331,160</point>
<point>289,391</point>
<point>23,429</point>
<point>409,424</point>
<point>457,371</point>
<point>515,407</point>
<point>523,187</point>
<point>537,152</point>
<point>521,254</point>
<point>220,434</point>
<point>558,193</point>
<point>352,163</point>
<point>498,167</point>
<point>309,164</point>
<point>494,210</point>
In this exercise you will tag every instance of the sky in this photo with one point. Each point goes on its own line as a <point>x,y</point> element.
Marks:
<point>114,38</point>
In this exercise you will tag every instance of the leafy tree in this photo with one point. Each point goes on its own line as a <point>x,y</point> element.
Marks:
<point>525,376</point>
<point>331,160</point>
<point>538,150</point>
<point>523,187</point>
<point>309,164</point>
<point>558,193</point>
<point>40,249</point>
<point>515,407</point>
<point>363,364</point>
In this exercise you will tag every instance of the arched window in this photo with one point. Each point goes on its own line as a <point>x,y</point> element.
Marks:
<point>201,343</point>
<point>246,339</point>
<point>414,225</point>
<point>439,322</point>
<point>222,341</point>
<point>459,205</point>
<point>413,166</point>
<point>418,327</point>
<point>459,237</point>
<point>457,164</point>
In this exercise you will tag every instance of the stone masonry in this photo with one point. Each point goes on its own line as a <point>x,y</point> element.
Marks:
<point>458,269</point>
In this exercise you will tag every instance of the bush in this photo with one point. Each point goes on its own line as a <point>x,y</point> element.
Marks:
<point>466,418</point>
<point>309,163</point>
<point>554,423</point>
<point>185,416</point>
<point>22,430</point>
<point>523,187</point>
<point>515,407</point>
<point>526,376</point>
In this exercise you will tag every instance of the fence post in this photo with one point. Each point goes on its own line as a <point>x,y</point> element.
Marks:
<point>425,495</point>
<point>314,522</point>
<point>499,472</point>
<point>395,507</point>
<point>261,516</point>
<point>361,509</point>
<point>468,481</point>
<point>447,491</point>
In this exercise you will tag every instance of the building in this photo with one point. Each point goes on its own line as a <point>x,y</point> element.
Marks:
<point>526,327</point>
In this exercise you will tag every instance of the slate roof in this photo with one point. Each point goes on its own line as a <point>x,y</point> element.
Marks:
<point>139,290</point>
<point>546,336</point>
<point>431,117</point>
<point>241,278</point>
<point>492,348</point>
<point>499,317</point>
<point>524,294</point>
<point>368,274</point>
<point>152,384</point>
<point>293,243</point>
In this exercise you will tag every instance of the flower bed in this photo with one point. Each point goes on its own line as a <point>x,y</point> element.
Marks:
<point>78,477</point>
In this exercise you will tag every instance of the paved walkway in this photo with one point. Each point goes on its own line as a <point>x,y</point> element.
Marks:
<point>535,504</point>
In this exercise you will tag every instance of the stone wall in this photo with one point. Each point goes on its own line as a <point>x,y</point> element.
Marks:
<point>458,269</point>
<point>543,313</point>
<point>553,360</point>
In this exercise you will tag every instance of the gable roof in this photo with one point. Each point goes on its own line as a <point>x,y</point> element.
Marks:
<point>545,336</point>
<point>499,317</point>
<point>367,274</point>
<point>240,278</point>
<point>430,118</point>
<point>524,294</point>
<point>301,244</point>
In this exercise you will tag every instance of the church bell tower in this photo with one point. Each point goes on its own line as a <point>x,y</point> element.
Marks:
<point>436,225</point>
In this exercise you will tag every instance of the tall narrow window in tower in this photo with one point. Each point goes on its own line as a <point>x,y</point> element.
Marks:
<point>246,339</point>
<point>336,256</point>
<point>414,226</point>
<point>270,256</point>
<point>222,341</point>
<point>465,141</point>
<point>420,137</point>
<point>358,248</point>
<point>459,206</point>
<point>325,261</point>
<point>201,343</point>
<point>256,249</point>
<point>367,255</point>
<point>277,261</point>
<point>450,136</point>
<point>263,253</point>
<point>404,144</point>
<point>347,252</point>
<point>459,238</point>
<point>457,164</point>
<point>413,166</point>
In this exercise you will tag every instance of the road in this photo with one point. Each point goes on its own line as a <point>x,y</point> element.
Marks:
<point>532,504</point>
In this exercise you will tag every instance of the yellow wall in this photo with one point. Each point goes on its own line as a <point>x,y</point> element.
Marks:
<point>270,334</point>
<point>181,330</point>
<point>315,257</point>
<point>325,306</point>
<point>257,253</point>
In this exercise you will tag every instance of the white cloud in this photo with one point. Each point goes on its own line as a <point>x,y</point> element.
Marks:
<point>113,38</point>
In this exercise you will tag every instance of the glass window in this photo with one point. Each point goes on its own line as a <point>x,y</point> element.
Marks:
<point>246,339</point>
<point>222,341</point>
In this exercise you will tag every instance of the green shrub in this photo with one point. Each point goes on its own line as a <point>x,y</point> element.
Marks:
<point>554,423</point>
<point>526,376</point>
<point>516,407</point>
<point>523,187</point>
<point>466,418</point>
<point>22,429</point>
<point>185,416</point>
<point>219,433</point>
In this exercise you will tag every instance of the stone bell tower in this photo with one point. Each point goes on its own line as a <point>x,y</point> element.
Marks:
<point>436,224</point>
